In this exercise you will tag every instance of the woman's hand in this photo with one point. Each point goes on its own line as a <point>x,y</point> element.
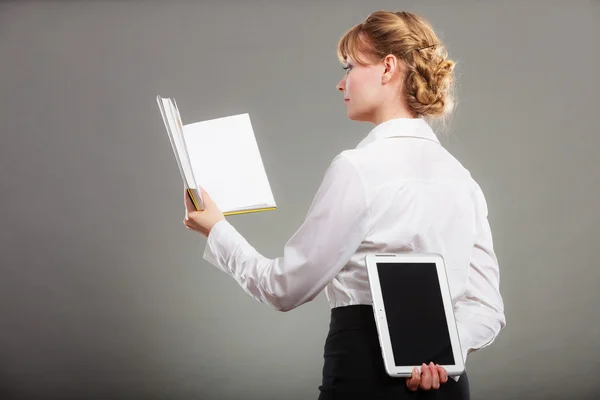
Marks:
<point>201,221</point>
<point>431,377</point>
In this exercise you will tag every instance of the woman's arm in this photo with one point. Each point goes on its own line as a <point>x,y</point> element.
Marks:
<point>336,224</point>
<point>480,310</point>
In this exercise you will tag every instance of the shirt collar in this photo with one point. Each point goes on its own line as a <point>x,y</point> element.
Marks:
<point>400,127</point>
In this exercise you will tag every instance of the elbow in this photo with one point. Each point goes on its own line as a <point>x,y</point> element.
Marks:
<point>281,304</point>
<point>284,307</point>
<point>497,327</point>
<point>286,304</point>
<point>502,321</point>
<point>289,295</point>
<point>500,317</point>
<point>289,302</point>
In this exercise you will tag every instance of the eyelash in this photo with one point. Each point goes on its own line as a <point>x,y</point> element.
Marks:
<point>347,67</point>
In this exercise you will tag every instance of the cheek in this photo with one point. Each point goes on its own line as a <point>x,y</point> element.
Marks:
<point>362,85</point>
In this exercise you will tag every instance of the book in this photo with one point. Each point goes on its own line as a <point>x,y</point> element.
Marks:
<point>221,156</point>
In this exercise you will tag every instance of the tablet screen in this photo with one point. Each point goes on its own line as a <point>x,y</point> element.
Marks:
<point>415,313</point>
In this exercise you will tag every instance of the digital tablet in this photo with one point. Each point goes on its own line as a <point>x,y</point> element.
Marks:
<point>413,313</point>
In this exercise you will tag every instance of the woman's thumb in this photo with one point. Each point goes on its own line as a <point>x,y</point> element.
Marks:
<point>205,197</point>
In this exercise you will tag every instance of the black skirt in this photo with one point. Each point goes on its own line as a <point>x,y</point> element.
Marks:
<point>354,369</point>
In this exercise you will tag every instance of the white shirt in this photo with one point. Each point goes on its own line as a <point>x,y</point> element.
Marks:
<point>398,190</point>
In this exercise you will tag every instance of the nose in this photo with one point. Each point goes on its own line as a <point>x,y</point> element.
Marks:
<point>341,84</point>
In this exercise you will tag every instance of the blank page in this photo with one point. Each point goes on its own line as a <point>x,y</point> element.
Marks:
<point>172,122</point>
<point>227,163</point>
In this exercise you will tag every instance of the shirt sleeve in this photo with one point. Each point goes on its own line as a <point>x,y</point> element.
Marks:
<point>335,225</point>
<point>480,310</point>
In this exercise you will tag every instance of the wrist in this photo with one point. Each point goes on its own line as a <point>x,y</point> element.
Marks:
<point>214,225</point>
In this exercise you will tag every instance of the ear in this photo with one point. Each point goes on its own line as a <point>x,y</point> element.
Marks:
<point>391,65</point>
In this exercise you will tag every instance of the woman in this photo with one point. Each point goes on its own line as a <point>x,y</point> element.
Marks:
<point>398,190</point>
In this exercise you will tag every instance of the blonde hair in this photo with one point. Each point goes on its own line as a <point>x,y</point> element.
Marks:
<point>428,84</point>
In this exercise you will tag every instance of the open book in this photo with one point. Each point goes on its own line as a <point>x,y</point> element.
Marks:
<point>222,157</point>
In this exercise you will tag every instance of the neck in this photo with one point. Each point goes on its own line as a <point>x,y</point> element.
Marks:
<point>383,115</point>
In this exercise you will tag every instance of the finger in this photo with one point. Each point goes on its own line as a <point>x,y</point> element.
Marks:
<point>203,192</point>
<point>414,380</point>
<point>435,376</point>
<point>425,377</point>
<point>443,374</point>
<point>206,199</point>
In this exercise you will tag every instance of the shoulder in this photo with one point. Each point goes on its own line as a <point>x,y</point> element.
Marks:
<point>345,162</point>
<point>345,170</point>
<point>357,160</point>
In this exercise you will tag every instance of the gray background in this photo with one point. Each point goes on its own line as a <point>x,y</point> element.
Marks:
<point>103,292</point>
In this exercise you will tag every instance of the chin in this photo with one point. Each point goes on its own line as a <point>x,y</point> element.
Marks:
<point>357,116</point>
